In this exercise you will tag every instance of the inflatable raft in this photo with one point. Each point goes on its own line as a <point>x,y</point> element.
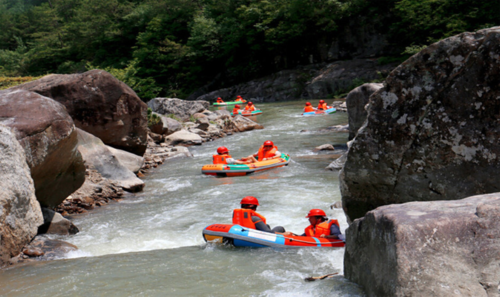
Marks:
<point>320,112</point>
<point>228,103</point>
<point>244,237</point>
<point>247,113</point>
<point>244,169</point>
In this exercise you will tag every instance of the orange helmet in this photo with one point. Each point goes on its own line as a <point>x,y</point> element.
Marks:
<point>237,106</point>
<point>268,143</point>
<point>316,213</point>
<point>321,101</point>
<point>250,103</point>
<point>308,103</point>
<point>250,200</point>
<point>222,150</point>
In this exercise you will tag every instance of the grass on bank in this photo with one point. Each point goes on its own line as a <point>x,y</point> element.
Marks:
<point>8,82</point>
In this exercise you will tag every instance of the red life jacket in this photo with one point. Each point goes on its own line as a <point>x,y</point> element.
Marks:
<point>243,217</point>
<point>266,154</point>
<point>322,228</point>
<point>250,107</point>
<point>220,101</point>
<point>308,109</point>
<point>220,159</point>
<point>322,106</point>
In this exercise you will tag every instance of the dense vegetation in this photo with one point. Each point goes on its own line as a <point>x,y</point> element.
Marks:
<point>172,47</point>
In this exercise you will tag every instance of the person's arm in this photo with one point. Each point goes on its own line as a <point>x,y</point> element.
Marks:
<point>334,232</point>
<point>259,225</point>
<point>276,155</point>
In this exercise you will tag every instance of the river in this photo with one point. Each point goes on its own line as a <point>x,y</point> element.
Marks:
<point>150,243</point>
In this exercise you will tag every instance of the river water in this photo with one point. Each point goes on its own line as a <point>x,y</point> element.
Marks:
<point>150,243</point>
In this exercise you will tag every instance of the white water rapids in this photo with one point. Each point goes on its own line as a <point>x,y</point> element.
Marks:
<point>150,243</point>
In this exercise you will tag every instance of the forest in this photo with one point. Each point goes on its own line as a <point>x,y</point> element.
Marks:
<point>170,48</point>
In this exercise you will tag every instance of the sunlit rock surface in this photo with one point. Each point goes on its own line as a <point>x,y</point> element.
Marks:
<point>437,248</point>
<point>432,132</point>
<point>356,101</point>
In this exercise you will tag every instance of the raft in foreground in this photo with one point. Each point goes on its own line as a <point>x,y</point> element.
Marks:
<point>319,112</point>
<point>244,169</point>
<point>244,237</point>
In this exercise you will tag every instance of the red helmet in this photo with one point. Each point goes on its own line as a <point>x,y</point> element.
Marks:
<point>308,103</point>
<point>219,98</point>
<point>250,103</point>
<point>222,150</point>
<point>316,213</point>
<point>238,96</point>
<point>237,106</point>
<point>250,200</point>
<point>268,143</point>
<point>321,101</point>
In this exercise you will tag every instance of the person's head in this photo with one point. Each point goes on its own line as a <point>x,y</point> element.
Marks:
<point>321,101</point>
<point>316,216</point>
<point>249,202</point>
<point>268,144</point>
<point>219,98</point>
<point>238,96</point>
<point>222,150</point>
<point>250,103</point>
<point>308,103</point>
<point>237,106</point>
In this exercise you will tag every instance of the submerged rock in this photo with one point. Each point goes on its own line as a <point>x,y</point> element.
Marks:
<point>439,248</point>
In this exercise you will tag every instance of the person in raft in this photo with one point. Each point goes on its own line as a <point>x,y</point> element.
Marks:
<point>239,99</point>
<point>247,216</point>
<point>267,151</point>
<point>219,100</point>
<point>308,107</point>
<point>236,108</point>
<point>322,227</point>
<point>322,105</point>
<point>250,107</point>
<point>223,157</point>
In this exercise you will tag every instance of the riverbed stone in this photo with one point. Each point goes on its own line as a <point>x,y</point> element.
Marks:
<point>183,137</point>
<point>356,101</point>
<point>20,213</point>
<point>437,248</point>
<point>432,132</point>
<point>47,133</point>
<point>99,104</point>
<point>243,124</point>
<point>131,161</point>
<point>166,126</point>
<point>55,223</point>
<point>182,109</point>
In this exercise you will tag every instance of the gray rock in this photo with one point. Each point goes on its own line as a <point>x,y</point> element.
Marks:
<point>203,124</point>
<point>20,213</point>
<point>45,130</point>
<point>183,137</point>
<point>223,112</point>
<point>55,223</point>
<point>355,102</point>
<point>167,125</point>
<point>183,109</point>
<point>432,131</point>
<point>439,248</point>
<point>324,147</point>
<point>131,161</point>
<point>338,163</point>
<point>245,124</point>
<point>97,155</point>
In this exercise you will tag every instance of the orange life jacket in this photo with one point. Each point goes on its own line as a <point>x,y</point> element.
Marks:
<point>250,107</point>
<point>308,109</point>
<point>266,154</point>
<point>235,110</point>
<point>322,228</point>
<point>239,100</point>
<point>220,159</point>
<point>243,217</point>
<point>322,106</point>
<point>220,101</point>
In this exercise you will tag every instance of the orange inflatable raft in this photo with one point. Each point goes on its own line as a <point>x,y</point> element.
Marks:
<point>244,169</point>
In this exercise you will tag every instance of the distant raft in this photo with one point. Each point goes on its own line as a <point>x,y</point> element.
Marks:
<point>320,112</point>
<point>248,113</point>
<point>244,169</point>
<point>228,103</point>
<point>239,236</point>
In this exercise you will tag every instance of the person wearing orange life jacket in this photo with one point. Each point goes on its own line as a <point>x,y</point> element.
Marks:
<point>219,100</point>
<point>250,107</point>
<point>223,157</point>
<point>322,227</point>
<point>267,151</point>
<point>247,217</point>
<point>308,107</point>
<point>236,108</point>
<point>322,105</point>
<point>239,99</point>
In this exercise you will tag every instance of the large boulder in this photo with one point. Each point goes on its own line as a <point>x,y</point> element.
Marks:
<point>166,126</point>
<point>356,101</point>
<point>183,137</point>
<point>243,124</point>
<point>20,213</point>
<point>97,155</point>
<point>432,132</point>
<point>182,109</point>
<point>438,248</point>
<point>46,132</point>
<point>99,104</point>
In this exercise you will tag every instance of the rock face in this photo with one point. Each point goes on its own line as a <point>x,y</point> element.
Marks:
<point>432,132</point>
<point>183,109</point>
<point>98,156</point>
<point>439,248</point>
<point>20,213</point>
<point>356,101</point>
<point>99,104</point>
<point>47,134</point>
